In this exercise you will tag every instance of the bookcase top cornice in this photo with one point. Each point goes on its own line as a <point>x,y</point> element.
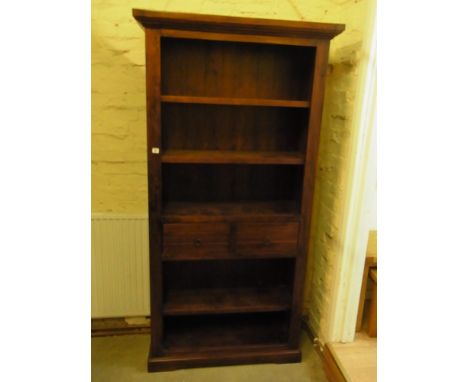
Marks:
<point>236,25</point>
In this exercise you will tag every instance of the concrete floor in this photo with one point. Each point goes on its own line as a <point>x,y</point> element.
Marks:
<point>123,358</point>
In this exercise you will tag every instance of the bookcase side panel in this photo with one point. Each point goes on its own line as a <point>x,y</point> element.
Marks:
<point>153,107</point>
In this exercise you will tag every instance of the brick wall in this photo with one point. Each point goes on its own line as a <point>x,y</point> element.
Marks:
<point>118,114</point>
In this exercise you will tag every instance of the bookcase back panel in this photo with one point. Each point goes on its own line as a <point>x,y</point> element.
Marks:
<point>233,69</point>
<point>215,127</point>
<point>228,273</point>
<point>226,183</point>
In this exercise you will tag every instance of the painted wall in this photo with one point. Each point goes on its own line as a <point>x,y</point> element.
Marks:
<point>118,113</point>
<point>370,210</point>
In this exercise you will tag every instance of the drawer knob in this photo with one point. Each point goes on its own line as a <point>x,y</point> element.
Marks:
<point>197,243</point>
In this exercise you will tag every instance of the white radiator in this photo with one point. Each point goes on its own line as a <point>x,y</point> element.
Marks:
<point>119,266</point>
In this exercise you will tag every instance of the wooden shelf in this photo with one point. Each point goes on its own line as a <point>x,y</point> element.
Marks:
<point>235,101</point>
<point>227,300</point>
<point>195,333</point>
<point>232,157</point>
<point>211,211</point>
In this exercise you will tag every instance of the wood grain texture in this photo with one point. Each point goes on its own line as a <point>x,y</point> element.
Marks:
<point>258,211</point>
<point>370,262</point>
<point>236,25</point>
<point>225,357</point>
<point>332,370</point>
<point>199,241</point>
<point>267,239</point>
<point>227,300</point>
<point>202,241</point>
<point>357,360</point>
<point>276,40</point>
<point>233,118</point>
<point>234,73</point>
<point>231,157</point>
<point>234,101</point>
<point>153,120</point>
<point>372,318</point>
<point>233,128</point>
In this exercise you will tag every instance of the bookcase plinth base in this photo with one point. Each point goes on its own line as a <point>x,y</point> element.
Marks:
<point>271,354</point>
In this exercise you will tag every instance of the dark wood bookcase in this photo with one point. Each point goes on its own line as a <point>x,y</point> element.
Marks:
<point>233,120</point>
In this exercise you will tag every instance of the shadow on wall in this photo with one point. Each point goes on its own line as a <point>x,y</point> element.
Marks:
<point>333,163</point>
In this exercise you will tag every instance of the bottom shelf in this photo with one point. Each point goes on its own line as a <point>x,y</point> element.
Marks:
<point>260,354</point>
<point>208,332</point>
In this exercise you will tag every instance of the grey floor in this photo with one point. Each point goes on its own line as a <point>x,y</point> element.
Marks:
<point>123,358</point>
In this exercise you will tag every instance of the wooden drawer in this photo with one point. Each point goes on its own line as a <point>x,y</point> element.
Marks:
<point>275,239</point>
<point>195,240</point>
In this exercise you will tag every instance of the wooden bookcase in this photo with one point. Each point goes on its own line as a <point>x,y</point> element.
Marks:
<point>233,122</point>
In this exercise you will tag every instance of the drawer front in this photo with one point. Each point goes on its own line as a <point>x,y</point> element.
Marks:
<point>195,240</point>
<point>278,239</point>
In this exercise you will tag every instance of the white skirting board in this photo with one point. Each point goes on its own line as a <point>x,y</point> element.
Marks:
<point>119,266</point>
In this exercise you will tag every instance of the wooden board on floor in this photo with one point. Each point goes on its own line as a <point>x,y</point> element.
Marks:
<point>371,261</point>
<point>332,370</point>
<point>357,360</point>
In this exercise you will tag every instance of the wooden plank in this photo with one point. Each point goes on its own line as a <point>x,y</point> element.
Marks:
<point>227,300</point>
<point>295,41</point>
<point>153,120</point>
<point>357,360</point>
<point>225,357</point>
<point>232,157</point>
<point>235,101</point>
<point>372,321</point>
<point>373,274</point>
<point>230,211</point>
<point>239,25</point>
<point>371,261</point>
<point>332,370</point>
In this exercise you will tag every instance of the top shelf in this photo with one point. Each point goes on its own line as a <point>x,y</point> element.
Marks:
<point>235,101</point>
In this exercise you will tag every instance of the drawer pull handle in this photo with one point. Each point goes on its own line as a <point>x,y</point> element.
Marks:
<point>197,243</point>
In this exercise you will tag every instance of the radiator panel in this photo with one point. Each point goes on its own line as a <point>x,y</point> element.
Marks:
<point>119,266</point>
